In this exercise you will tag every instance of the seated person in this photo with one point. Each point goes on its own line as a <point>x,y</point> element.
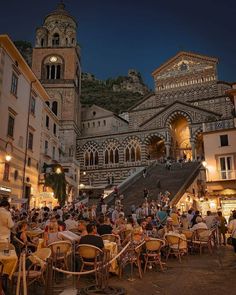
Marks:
<point>22,236</point>
<point>82,228</point>
<point>199,224</point>
<point>70,222</point>
<point>92,238</point>
<point>104,227</point>
<point>51,232</point>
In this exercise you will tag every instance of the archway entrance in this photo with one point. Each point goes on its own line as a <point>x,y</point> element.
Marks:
<point>180,138</point>
<point>155,148</point>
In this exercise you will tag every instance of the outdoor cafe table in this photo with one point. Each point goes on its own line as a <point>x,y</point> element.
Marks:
<point>113,249</point>
<point>9,262</point>
<point>68,235</point>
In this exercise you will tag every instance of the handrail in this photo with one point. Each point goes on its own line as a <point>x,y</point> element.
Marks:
<point>93,270</point>
<point>184,186</point>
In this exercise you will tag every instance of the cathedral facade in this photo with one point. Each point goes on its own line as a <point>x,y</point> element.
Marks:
<point>166,123</point>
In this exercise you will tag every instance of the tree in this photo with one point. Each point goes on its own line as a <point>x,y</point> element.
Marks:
<point>57,182</point>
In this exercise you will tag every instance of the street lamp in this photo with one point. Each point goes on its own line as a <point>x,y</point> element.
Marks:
<point>8,156</point>
<point>58,170</point>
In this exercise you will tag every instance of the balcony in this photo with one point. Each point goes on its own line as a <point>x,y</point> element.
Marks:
<point>222,175</point>
<point>218,125</point>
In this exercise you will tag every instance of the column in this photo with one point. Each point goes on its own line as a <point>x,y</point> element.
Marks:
<point>167,145</point>
<point>193,150</point>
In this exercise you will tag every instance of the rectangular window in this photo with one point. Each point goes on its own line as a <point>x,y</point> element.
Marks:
<point>29,162</point>
<point>104,122</point>
<point>55,129</point>
<point>46,147</point>
<point>32,105</point>
<point>14,83</point>
<point>226,167</point>
<point>224,140</point>
<point>10,127</point>
<point>30,141</point>
<point>6,173</point>
<point>53,152</point>
<point>47,122</point>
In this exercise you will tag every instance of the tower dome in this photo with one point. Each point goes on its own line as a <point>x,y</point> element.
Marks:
<point>59,29</point>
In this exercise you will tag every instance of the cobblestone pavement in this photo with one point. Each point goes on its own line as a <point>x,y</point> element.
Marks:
<point>196,275</point>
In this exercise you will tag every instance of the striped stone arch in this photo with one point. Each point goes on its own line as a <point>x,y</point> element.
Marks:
<point>175,114</point>
<point>130,138</point>
<point>111,151</point>
<point>110,141</point>
<point>149,137</point>
<point>196,133</point>
<point>132,149</point>
<point>89,144</point>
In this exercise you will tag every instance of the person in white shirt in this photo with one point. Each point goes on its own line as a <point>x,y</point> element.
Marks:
<point>6,222</point>
<point>199,225</point>
<point>209,220</point>
<point>232,230</point>
<point>71,223</point>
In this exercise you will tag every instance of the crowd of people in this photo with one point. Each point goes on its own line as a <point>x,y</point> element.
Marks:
<point>151,218</point>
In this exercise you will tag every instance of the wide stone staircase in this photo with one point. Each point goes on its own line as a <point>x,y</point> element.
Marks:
<point>159,179</point>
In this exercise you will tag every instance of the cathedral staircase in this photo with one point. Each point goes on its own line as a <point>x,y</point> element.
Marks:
<point>159,179</point>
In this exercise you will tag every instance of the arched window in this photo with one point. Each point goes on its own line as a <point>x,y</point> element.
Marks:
<point>116,156</point>
<point>86,159</point>
<point>53,68</point>
<point>54,107</point>
<point>42,42</point>
<point>55,40</point>
<point>133,151</point>
<point>111,155</point>
<point>91,156</point>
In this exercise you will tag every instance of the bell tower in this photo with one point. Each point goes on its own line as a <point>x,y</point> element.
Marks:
<point>56,63</point>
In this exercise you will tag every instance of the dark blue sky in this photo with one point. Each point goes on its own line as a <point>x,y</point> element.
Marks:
<point>122,34</point>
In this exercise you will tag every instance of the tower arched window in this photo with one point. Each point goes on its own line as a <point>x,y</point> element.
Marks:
<point>55,107</point>
<point>56,40</point>
<point>111,155</point>
<point>91,156</point>
<point>133,151</point>
<point>53,68</point>
<point>42,42</point>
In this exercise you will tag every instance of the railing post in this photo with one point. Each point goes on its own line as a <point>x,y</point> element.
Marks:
<point>49,278</point>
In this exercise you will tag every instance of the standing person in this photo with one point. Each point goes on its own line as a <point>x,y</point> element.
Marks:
<point>209,220</point>
<point>232,230</point>
<point>222,224</point>
<point>6,222</point>
<point>175,218</point>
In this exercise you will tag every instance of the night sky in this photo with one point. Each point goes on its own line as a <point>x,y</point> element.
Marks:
<point>122,34</point>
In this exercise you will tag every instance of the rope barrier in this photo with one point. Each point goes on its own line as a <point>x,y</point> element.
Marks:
<point>93,270</point>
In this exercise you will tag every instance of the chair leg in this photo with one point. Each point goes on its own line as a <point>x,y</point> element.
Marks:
<point>139,268</point>
<point>167,255</point>
<point>146,262</point>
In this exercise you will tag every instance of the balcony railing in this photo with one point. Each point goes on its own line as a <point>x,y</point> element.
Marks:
<point>218,125</point>
<point>223,175</point>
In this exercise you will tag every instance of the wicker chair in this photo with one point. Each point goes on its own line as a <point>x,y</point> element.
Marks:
<point>3,246</point>
<point>91,257</point>
<point>176,246</point>
<point>203,238</point>
<point>153,253</point>
<point>60,252</point>
<point>131,256</point>
<point>189,236</point>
